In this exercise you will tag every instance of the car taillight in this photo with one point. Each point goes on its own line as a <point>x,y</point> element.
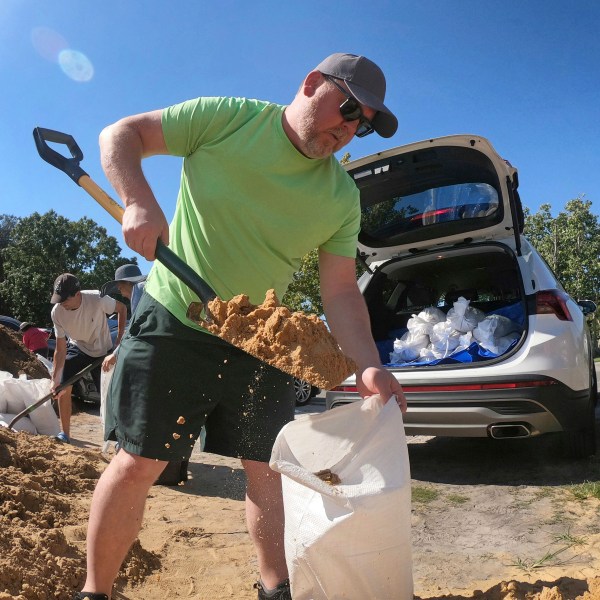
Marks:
<point>344,388</point>
<point>554,302</point>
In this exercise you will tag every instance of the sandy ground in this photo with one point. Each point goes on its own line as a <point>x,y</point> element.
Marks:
<point>498,518</point>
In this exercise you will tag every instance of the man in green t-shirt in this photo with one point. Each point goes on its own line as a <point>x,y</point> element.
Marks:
<point>260,187</point>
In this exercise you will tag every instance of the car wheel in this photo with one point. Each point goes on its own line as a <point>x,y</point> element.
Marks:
<point>582,443</point>
<point>303,391</point>
<point>85,391</point>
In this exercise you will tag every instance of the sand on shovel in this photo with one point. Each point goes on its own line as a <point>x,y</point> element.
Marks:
<point>294,342</point>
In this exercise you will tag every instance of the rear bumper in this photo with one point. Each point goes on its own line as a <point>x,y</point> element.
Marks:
<point>475,413</point>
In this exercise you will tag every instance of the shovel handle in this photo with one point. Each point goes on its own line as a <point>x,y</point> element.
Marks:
<point>71,167</point>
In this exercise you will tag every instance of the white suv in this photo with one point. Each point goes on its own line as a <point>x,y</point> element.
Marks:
<point>468,316</point>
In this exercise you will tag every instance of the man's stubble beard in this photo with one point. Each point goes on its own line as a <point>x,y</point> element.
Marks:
<point>311,137</point>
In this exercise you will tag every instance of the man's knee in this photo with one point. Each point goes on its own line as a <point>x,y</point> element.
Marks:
<point>138,470</point>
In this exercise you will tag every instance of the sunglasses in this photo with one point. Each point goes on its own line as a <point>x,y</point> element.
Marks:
<point>351,111</point>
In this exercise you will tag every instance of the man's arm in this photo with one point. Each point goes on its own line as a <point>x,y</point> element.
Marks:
<point>123,145</point>
<point>58,364</point>
<point>121,310</point>
<point>348,319</point>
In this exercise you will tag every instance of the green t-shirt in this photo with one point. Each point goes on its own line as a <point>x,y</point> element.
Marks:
<point>250,206</point>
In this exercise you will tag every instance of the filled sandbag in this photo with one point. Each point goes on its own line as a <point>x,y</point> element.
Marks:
<point>23,424</point>
<point>20,393</point>
<point>346,494</point>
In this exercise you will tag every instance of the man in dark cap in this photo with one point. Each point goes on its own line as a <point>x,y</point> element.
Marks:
<point>260,188</point>
<point>80,316</point>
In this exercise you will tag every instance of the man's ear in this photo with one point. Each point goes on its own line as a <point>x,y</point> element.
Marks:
<point>313,80</point>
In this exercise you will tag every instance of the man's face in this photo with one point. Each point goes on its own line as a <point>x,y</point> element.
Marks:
<point>72,302</point>
<point>323,130</point>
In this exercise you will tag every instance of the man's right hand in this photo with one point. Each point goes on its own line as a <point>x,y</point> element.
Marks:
<point>143,225</point>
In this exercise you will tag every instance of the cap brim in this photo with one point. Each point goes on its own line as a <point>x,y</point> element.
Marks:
<point>384,122</point>
<point>56,299</point>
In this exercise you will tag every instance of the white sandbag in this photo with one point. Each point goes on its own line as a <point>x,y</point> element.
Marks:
<point>463,317</point>
<point>21,393</point>
<point>43,417</point>
<point>352,539</point>
<point>23,424</point>
<point>432,315</point>
<point>13,391</point>
<point>494,326</point>
<point>408,347</point>
<point>422,323</point>
<point>444,339</point>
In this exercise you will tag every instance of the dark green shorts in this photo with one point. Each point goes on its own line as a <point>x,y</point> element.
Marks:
<point>170,380</point>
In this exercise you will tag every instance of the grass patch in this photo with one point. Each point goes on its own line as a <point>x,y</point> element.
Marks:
<point>550,558</point>
<point>424,494</point>
<point>585,490</point>
<point>457,498</point>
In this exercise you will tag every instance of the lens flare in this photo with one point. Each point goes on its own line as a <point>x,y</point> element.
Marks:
<point>48,43</point>
<point>76,65</point>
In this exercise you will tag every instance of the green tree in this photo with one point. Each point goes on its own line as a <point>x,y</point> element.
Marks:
<point>570,244</point>
<point>43,246</point>
<point>303,292</point>
<point>7,224</point>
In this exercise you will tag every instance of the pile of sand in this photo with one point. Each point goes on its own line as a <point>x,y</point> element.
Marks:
<point>16,358</point>
<point>294,342</point>
<point>42,547</point>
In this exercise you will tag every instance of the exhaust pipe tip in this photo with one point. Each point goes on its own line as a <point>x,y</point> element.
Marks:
<point>503,431</point>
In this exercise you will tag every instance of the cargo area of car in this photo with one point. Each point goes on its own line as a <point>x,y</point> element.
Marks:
<point>484,275</point>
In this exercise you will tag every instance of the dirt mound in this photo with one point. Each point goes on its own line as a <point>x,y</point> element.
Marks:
<point>565,588</point>
<point>42,547</point>
<point>16,358</point>
<point>294,342</point>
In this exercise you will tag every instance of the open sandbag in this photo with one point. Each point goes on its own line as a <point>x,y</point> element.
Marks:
<point>346,493</point>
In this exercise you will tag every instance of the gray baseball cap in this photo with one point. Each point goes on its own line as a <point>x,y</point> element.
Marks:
<point>129,273</point>
<point>366,83</point>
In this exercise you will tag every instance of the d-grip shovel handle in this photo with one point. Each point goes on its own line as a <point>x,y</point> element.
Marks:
<point>71,167</point>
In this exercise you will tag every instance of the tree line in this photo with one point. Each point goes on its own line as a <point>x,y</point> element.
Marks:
<point>37,248</point>
<point>34,250</point>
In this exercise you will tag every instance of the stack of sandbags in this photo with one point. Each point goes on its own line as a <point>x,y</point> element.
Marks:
<point>434,335</point>
<point>16,394</point>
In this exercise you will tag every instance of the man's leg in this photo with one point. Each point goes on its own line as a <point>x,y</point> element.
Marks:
<point>116,516</point>
<point>64,409</point>
<point>265,520</point>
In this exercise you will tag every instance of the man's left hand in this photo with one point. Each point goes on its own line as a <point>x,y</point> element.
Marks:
<point>377,380</point>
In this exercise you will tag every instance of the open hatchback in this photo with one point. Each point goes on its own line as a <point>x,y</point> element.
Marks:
<point>468,316</point>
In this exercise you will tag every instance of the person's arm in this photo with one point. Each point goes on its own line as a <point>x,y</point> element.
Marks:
<point>121,311</point>
<point>58,364</point>
<point>348,319</point>
<point>123,145</point>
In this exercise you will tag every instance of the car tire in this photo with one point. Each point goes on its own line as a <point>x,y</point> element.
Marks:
<point>582,443</point>
<point>85,391</point>
<point>304,392</point>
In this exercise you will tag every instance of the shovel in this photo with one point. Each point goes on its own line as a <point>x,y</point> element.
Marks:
<point>61,387</point>
<point>71,167</point>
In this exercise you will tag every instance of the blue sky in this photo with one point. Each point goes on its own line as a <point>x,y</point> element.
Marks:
<point>523,73</point>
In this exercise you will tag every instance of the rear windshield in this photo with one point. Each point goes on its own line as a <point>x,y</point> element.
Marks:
<point>445,204</point>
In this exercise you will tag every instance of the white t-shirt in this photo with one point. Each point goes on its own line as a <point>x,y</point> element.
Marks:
<point>87,326</point>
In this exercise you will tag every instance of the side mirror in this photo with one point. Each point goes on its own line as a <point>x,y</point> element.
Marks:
<point>587,306</point>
